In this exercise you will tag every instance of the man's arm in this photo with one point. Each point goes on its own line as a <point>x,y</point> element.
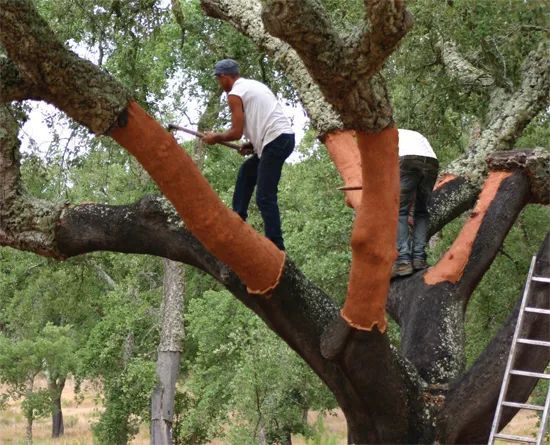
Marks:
<point>237,123</point>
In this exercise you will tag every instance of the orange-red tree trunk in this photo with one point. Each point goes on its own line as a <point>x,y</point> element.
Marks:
<point>373,239</point>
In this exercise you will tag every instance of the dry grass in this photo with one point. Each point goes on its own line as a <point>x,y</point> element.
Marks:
<point>80,414</point>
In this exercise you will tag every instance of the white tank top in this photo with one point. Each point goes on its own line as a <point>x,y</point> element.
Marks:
<point>413,143</point>
<point>264,119</point>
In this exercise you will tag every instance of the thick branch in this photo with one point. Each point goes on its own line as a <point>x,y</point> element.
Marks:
<point>12,85</point>
<point>347,79</point>
<point>460,69</point>
<point>87,94</point>
<point>297,311</point>
<point>480,387</point>
<point>508,115</point>
<point>25,222</point>
<point>389,22</point>
<point>441,294</point>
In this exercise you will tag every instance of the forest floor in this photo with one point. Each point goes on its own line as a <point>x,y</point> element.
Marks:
<point>80,412</point>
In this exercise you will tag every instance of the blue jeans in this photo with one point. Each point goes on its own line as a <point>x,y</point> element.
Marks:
<point>265,173</point>
<point>417,178</point>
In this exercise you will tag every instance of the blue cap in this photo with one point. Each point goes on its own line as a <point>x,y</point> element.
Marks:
<point>226,66</point>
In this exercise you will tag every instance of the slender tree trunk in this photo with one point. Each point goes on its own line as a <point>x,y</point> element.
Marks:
<point>168,360</point>
<point>28,430</point>
<point>29,414</point>
<point>56,389</point>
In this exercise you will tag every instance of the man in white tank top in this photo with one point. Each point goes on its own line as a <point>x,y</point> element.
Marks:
<point>256,113</point>
<point>418,167</point>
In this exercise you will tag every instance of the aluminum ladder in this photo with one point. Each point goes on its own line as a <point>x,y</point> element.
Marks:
<point>510,371</point>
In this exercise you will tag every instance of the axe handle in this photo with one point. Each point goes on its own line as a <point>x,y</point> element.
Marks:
<point>200,135</point>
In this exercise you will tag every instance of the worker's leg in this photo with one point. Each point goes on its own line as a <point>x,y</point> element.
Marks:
<point>421,215</point>
<point>409,178</point>
<point>244,187</point>
<point>269,174</point>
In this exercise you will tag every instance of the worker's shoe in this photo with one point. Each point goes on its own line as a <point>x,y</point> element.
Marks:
<point>401,269</point>
<point>419,264</point>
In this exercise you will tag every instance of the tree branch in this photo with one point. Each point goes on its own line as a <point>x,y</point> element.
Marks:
<point>479,388</point>
<point>347,78</point>
<point>96,100</point>
<point>441,293</point>
<point>460,69</point>
<point>508,115</point>
<point>389,22</point>
<point>12,85</point>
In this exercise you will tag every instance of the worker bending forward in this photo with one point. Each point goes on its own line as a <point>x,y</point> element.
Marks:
<point>418,167</point>
<point>256,112</point>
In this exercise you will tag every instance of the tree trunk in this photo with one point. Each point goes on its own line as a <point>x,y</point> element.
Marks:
<point>29,416</point>
<point>28,430</point>
<point>56,389</point>
<point>168,359</point>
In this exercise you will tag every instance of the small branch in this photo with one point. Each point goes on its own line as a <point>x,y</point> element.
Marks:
<point>508,115</point>
<point>460,69</point>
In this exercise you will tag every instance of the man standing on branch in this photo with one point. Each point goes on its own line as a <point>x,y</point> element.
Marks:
<point>418,167</point>
<point>256,112</point>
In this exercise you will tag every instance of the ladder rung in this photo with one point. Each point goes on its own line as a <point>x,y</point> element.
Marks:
<point>537,310</point>
<point>537,375</point>
<point>528,341</point>
<point>524,406</point>
<point>541,279</point>
<point>516,438</point>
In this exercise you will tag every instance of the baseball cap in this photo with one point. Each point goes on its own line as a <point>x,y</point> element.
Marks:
<point>226,66</point>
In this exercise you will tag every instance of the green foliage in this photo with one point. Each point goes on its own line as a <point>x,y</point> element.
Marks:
<point>492,37</point>
<point>243,374</point>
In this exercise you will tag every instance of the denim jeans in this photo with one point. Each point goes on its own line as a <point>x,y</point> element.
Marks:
<point>265,173</point>
<point>417,177</point>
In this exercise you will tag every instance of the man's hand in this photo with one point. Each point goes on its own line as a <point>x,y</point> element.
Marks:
<point>210,138</point>
<point>246,149</point>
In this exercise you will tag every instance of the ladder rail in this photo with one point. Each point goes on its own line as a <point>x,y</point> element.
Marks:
<point>511,355</point>
<point>544,418</point>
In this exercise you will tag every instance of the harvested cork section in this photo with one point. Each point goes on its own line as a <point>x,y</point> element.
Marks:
<point>374,234</point>
<point>343,150</point>
<point>451,266</point>
<point>254,258</point>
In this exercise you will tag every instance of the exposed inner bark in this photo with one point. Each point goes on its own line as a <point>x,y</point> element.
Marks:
<point>374,232</point>
<point>221,230</point>
<point>451,266</point>
<point>343,150</point>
